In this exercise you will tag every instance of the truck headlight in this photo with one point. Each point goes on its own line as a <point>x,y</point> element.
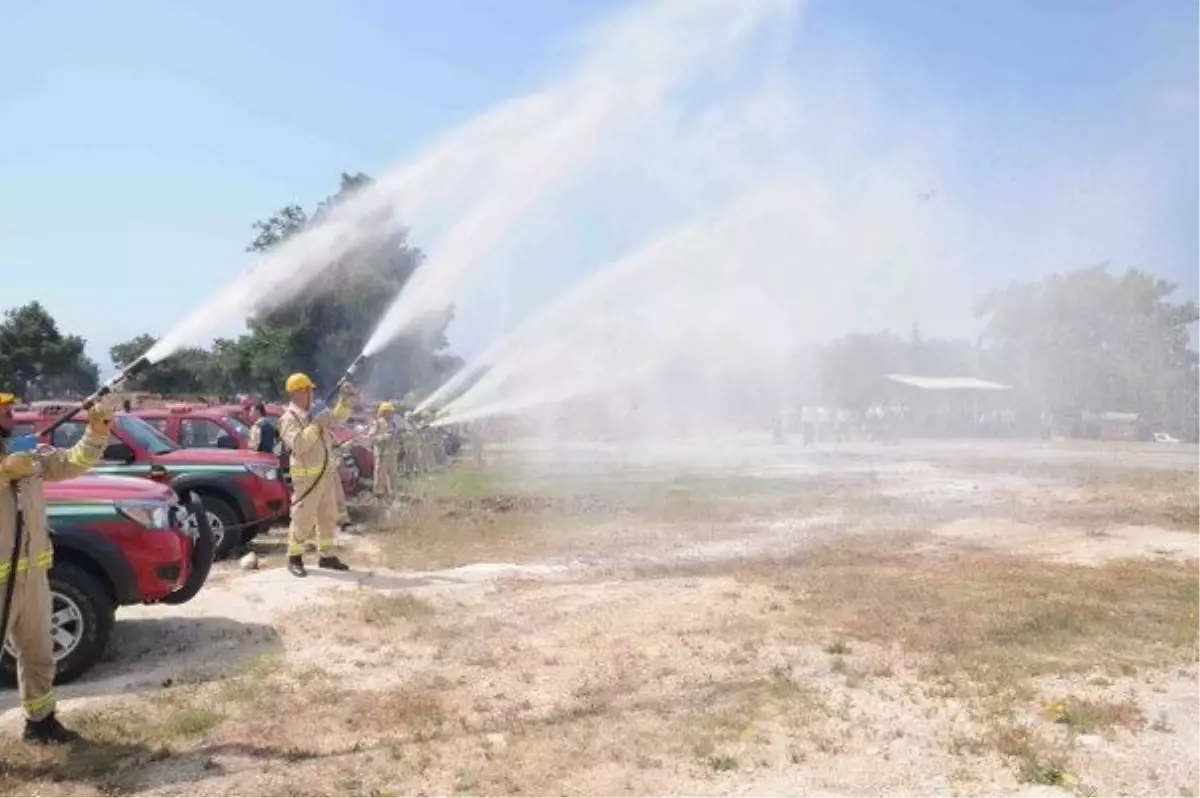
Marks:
<point>262,471</point>
<point>152,515</point>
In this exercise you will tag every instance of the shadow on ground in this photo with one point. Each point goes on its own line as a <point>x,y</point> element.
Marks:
<point>156,652</point>
<point>122,768</point>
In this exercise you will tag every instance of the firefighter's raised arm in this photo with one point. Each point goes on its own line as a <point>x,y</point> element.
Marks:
<point>60,464</point>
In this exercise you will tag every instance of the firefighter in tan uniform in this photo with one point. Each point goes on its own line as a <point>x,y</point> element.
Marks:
<point>434,448</point>
<point>383,447</point>
<point>21,478</point>
<point>422,454</point>
<point>409,442</point>
<point>304,429</point>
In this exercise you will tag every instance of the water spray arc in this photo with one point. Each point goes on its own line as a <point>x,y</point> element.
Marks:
<point>652,307</point>
<point>350,371</point>
<point>635,66</point>
<point>132,370</point>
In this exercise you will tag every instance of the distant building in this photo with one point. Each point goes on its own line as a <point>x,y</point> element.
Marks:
<point>950,406</point>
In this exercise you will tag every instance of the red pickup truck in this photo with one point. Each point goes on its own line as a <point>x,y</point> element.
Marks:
<point>118,541</point>
<point>241,492</point>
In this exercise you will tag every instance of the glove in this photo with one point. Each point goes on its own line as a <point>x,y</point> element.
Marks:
<point>348,392</point>
<point>18,466</point>
<point>100,417</point>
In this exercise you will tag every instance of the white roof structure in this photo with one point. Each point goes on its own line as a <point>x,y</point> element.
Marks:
<point>948,383</point>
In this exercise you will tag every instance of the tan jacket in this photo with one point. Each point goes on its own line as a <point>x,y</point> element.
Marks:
<point>310,442</point>
<point>380,433</point>
<point>53,465</point>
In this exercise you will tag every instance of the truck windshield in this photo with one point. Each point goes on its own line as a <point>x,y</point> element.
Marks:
<point>145,435</point>
<point>242,430</point>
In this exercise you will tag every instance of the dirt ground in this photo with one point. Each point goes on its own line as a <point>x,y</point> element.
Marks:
<point>901,620</point>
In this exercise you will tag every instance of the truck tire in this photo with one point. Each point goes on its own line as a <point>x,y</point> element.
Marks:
<point>223,522</point>
<point>203,554</point>
<point>82,618</point>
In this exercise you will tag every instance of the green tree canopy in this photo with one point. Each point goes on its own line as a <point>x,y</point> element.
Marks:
<point>188,371</point>
<point>1093,340</point>
<point>37,361</point>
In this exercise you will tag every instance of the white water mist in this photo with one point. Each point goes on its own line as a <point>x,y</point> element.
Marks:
<point>634,67</point>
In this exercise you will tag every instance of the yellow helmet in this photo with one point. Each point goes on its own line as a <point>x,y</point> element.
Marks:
<point>9,399</point>
<point>299,382</point>
<point>386,407</point>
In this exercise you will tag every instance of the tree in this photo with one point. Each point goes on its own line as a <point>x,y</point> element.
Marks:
<point>37,361</point>
<point>188,371</point>
<point>1092,340</point>
<point>854,368</point>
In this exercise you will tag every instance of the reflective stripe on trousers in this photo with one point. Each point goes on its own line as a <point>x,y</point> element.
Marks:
<point>44,561</point>
<point>38,708</point>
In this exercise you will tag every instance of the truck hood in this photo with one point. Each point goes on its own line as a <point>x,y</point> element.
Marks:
<point>101,488</point>
<point>201,456</point>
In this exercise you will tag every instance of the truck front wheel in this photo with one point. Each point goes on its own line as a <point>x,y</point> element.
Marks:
<point>81,620</point>
<point>223,522</point>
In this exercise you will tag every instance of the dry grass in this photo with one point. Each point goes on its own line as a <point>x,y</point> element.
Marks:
<point>456,518</point>
<point>389,609</point>
<point>666,679</point>
<point>992,616</point>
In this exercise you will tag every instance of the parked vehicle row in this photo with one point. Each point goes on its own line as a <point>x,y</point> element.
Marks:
<point>197,426</point>
<point>242,492</point>
<point>176,488</point>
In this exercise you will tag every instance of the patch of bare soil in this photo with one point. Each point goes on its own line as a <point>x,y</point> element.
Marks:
<point>715,639</point>
<point>1072,544</point>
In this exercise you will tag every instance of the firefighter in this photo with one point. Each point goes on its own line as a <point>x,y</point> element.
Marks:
<point>411,442</point>
<point>424,443</point>
<point>304,429</point>
<point>343,511</point>
<point>383,446</point>
<point>21,477</point>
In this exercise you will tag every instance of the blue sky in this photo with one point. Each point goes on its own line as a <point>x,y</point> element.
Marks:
<point>140,139</point>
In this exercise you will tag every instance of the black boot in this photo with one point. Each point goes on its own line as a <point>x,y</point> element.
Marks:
<point>48,731</point>
<point>332,562</point>
<point>296,565</point>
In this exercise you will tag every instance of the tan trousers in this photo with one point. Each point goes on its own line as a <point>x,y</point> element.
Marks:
<point>385,469</point>
<point>314,516</point>
<point>29,634</point>
<point>409,461</point>
<point>343,514</point>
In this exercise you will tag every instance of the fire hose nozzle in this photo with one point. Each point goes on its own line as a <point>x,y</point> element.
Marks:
<point>133,369</point>
<point>141,364</point>
<point>358,361</point>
